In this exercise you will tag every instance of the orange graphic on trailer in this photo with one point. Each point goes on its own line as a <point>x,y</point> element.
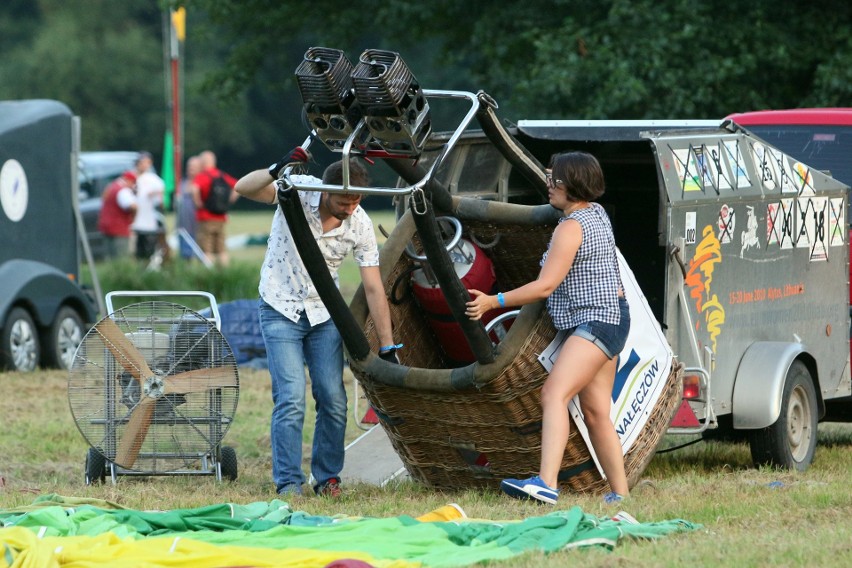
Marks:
<point>699,280</point>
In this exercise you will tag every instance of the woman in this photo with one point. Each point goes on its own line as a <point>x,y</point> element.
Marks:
<point>580,279</point>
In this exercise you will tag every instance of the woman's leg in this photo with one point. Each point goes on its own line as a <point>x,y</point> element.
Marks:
<point>578,365</point>
<point>596,402</point>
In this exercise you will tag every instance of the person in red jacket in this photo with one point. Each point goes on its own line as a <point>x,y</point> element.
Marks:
<point>210,231</point>
<point>118,209</point>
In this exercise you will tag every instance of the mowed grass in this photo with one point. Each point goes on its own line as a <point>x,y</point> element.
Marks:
<point>750,517</point>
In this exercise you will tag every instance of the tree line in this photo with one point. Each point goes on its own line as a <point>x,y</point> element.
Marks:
<point>544,59</point>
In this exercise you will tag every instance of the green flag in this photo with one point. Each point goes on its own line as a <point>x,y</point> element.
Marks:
<point>168,170</point>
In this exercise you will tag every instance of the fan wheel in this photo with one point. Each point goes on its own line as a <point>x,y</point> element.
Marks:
<point>155,386</point>
<point>95,467</point>
<point>228,463</point>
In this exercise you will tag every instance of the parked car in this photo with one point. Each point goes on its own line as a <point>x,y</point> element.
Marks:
<point>95,171</point>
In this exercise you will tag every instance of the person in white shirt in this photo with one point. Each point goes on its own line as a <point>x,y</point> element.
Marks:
<point>298,329</point>
<point>149,196</point>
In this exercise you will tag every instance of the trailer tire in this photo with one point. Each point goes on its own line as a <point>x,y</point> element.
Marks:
<point>20,349</point>
<point>62,339</point>
<point>790,442</point>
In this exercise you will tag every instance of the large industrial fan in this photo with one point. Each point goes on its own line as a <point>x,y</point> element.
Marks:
<point>154,388</point>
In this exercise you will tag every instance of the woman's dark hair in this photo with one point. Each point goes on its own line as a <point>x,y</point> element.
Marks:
<point>358,176</point>
<point>580,173</point>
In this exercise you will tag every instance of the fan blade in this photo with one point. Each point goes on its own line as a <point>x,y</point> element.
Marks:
<point>135,432</point>
<point>200,380</point>
<point>123,349</point>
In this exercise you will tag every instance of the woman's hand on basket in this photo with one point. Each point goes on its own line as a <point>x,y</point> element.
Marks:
<point>480,304</point>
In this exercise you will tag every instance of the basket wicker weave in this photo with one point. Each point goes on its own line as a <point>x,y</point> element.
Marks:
<point>476,436</point>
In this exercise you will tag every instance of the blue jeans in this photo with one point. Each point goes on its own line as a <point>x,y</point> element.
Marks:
<point>289,346</point>
<point>608,337</point>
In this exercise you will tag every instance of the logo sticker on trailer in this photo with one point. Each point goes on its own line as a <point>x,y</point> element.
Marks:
<point>687,170</point>
<point>814,216</point>
<point>689,230</point>
<point>803,178</point>
<point>14,191</point>
<point>749,238</point>
<point>726,223</point>
<point>836,224</point>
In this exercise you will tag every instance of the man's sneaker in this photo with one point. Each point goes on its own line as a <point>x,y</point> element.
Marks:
<point>329,488</point>
<point>291,490</point>
<point>612,497</point>
<point>532,488</point>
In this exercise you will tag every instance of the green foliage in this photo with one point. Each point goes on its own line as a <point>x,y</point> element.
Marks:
<point>582,59</point>
<point>105,66</point>
<point>559,59</point>
<point>237,281</point>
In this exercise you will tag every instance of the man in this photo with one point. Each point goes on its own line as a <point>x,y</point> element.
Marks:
<point>117,212</point>
<point>211,224</point>
<point>149,197</point>
<point>297,327</point>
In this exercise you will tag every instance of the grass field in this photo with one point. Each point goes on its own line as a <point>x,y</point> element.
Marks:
<point>751,517</point>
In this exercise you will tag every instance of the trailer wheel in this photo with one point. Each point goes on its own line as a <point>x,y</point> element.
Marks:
<point>790,442</point>
<point>20,349</point>
<point>62,339</point>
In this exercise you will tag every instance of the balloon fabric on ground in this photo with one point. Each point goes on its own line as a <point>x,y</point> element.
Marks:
<point>57,531</point>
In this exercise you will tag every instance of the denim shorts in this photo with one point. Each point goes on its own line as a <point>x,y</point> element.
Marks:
<point>608,337</point>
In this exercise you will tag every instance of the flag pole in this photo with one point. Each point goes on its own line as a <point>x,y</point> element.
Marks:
<point>177,27</point>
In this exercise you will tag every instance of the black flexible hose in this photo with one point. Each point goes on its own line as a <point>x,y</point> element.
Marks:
<point>412,173</point>
<point>521,159</point>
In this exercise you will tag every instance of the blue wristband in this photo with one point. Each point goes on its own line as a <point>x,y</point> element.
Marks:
<point>501,300</point>
<point>387,348</point>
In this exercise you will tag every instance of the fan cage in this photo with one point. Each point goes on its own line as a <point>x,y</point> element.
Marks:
<point>185,428</point>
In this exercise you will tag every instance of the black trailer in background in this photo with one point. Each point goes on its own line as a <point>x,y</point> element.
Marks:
<point>44,313</point>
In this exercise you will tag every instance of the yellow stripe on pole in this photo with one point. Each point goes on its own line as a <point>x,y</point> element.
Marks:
<point>179,23</point>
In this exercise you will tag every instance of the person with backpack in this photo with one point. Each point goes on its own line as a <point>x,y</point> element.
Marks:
<point>213,194</point>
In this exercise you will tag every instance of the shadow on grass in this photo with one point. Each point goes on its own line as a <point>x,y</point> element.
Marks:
<point>674,456</point>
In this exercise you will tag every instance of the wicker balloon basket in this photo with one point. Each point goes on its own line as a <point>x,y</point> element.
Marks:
<point>450,434</point>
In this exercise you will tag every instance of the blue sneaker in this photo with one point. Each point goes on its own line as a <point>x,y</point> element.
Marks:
<point>532,488</point>
<point>612,497</point>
